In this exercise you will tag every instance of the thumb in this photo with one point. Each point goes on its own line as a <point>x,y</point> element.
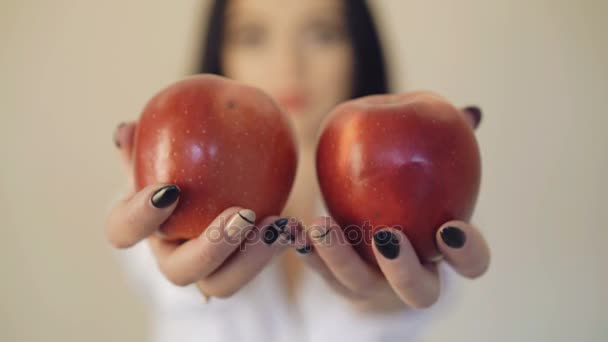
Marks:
<point>123,139</point>
<point>473,115</point>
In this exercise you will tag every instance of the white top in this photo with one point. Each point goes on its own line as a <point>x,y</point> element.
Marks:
<point>260,311</point>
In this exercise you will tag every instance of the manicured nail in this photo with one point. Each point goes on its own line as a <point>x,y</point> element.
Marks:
<point>273,231</point>
<point>387,244</point>
<point>239,222</point>
<point>115,137</point>
<point>270,235</point>
<point>475,113</point>
<point>304,250</point>
<point>321,234</point>
<point>281,223</point>
<point>165,196</point>
<point>453,237</point>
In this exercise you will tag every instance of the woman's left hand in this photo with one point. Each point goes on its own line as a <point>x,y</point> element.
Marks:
<point>403,280</point>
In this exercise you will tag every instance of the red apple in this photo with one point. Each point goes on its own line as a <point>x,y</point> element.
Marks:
<point>223,143</point>
<point>408,161</point>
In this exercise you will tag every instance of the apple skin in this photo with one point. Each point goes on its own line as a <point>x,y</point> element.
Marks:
<point>223,143</point>
<point>408,161</point>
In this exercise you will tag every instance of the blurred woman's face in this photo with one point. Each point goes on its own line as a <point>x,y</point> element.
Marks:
<point>298,51</point>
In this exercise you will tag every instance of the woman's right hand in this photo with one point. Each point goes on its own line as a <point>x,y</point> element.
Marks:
<point>211,261</point>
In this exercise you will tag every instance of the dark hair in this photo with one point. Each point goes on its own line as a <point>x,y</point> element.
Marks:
<point>369,68</point>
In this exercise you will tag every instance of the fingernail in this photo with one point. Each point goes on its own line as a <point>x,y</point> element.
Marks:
<point>281,223</point>
<point>320,234</point>
<point>453,237</point>
<point>387,244</point>
<point>475,113</point>
<point>115,137</point>
<point>304,250</point>
<point>165,196</point>
<point>273,231</point>
<point>270,235</point>
<point>239,222</point>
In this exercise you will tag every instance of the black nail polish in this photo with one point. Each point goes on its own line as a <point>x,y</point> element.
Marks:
<point>387,244</point>
<point>475,113</point>
<point>281,223</point>
<point>270,235</point>
<point>165,196</point>
<point>453,237</point>
<point>272,232</point>
<point>304,250</point>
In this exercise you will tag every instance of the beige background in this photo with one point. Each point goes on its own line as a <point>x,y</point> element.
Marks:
<point>71,70</point>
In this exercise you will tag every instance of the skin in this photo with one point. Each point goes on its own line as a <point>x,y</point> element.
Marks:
<point>294,47</point>
<point>218,269</point>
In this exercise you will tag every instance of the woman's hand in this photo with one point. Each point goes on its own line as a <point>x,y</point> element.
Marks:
<point>403,280</point>
<point>220,261</point>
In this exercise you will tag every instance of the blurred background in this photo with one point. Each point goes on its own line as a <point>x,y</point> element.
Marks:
<point>70,71</point>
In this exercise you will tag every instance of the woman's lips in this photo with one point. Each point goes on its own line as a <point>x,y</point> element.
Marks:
<point>293,102</point>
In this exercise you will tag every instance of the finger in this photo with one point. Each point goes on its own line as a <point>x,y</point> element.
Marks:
<point>162,248</point>
<point>473,115</point>
<point>464,247</point>
<point>340,257</point>
<point>416,284</point>
<point>249,260</point>
<point>136,217</point>
<point>311,259</point>
<point>302,242</point>
<point>123,139</point>
<point>304,248</point>
<point>199,257</point>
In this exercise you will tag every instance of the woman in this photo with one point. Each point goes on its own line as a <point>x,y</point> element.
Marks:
<point>309,55</point>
